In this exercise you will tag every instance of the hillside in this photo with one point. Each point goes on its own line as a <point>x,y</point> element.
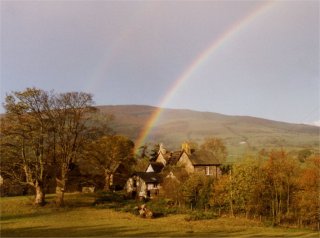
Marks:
<point>240,133</point>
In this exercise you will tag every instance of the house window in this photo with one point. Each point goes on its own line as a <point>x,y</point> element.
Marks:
<point>207,170</point>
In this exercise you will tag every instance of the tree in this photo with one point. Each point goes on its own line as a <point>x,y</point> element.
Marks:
<point>248,190</point>
<point>190,146</point>
<point>216,147</point>
<point>143,157</point>
<point>173,183</point>
<point>221,194</point>
<point>154,152</point>
<point>108,152</point>
<point>197,190</point>
<point>143,152</point>
<point>171,188</point>
<point>43,134</point>
<point>306,201</point>
<point>304,154</point>
<point>70,116</point>
<point>281,178</point>
<point>26,139</point>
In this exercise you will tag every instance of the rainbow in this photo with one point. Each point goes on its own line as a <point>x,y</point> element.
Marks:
<point>199,60</point>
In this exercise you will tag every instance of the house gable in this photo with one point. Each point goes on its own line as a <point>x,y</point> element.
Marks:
<point>149,169</point>
<point>161,158</point>
<point>155,167</point>
<point>184,161</point>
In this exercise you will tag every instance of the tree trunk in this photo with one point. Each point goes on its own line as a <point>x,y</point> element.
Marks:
<point>40,195</point>
<point>231,208</point>
<point>231,196</point>
<point>288,199</point>
<point>273,211</point>
<point>60,189</point>
<point>107,180</point>
<point>59,196</point>
<point>61,185</point>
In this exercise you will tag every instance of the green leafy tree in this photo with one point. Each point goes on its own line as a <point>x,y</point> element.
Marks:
<point>197,190</point>
<point>216,147</point>
<point>108,152</point>
<point>154,152</point>
<point>304,154</point>
<point>171,186</point>
<point>247,179</point>
<point>190,146</point>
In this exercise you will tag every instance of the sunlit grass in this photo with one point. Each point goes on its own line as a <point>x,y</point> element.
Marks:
<point>81,217</point>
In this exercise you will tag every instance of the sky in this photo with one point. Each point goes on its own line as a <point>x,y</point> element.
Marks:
<point>255,58</point>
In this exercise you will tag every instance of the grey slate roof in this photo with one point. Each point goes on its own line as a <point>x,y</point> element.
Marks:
<point>196,157</point>
<point>157,166</point>
<point>150,177</point>
<point>203,158</point>
<point>172,157</point>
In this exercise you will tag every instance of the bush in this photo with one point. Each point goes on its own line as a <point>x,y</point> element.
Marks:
<point>103,197</point>
<point>197,215</point>
<point>163,207</point>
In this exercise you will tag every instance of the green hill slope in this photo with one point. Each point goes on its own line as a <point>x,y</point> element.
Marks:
<point>240,133</point>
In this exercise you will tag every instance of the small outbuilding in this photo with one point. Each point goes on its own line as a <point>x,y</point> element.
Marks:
<point>144,184</point>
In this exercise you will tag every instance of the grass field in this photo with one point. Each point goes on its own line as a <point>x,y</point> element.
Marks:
<point>80,218</point>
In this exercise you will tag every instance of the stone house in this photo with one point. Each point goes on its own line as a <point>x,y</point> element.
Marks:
<point>200,161</point>
<point>148,183</point>
<point>192,161</point>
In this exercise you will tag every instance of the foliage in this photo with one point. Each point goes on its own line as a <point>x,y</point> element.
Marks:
<point>201,215</point>
<point>143,151</point>
<point>153,154</point>
<point>197,190</point>
<point>69,116</point>
<point>275,188</point>
<point>216,147</point>
<point>107,153</point>
<point>141,164</point>
<point>43,134</point>
<point>26,140</point>
<point>304,154</point>
<point>306,200</point>
<point>172,188</point>
<point>162,207</point>
<point>190,146</point>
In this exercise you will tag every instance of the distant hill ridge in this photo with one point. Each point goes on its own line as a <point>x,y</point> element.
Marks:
<point>238,132</point>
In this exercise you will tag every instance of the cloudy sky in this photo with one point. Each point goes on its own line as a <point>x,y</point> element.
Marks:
<point>264,63</point>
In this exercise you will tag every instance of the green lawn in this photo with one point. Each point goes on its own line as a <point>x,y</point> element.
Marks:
<point>80,218</point>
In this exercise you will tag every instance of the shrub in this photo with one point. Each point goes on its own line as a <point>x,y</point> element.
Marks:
<point>200,215</point>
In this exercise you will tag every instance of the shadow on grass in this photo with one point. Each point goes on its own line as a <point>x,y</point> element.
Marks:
<point>123,231</point>
<point>5,218</point>
<point>109,231</point>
